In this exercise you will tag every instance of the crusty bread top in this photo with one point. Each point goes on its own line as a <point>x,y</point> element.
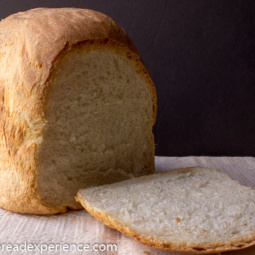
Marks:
<point>41,36</point>
<point>44,32</point>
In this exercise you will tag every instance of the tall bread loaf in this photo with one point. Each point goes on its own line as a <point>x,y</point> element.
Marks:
<point>77,107</point>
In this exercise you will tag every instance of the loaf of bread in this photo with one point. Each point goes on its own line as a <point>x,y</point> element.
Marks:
<point>194,210</point>
<point>77,107</point>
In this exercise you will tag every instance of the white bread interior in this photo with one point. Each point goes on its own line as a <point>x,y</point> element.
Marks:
<point>99,125</point>
<point>195,210</point>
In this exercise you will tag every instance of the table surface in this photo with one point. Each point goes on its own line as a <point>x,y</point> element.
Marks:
<point>79,227</point>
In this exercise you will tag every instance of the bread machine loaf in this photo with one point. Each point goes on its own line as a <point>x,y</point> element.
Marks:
<point>77,107</point>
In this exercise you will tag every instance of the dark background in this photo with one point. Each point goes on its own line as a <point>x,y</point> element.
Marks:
<point>201,56</point>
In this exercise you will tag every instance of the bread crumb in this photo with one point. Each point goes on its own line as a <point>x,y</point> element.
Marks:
<point>178,219</point>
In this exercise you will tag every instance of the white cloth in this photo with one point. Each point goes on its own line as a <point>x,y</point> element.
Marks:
<point>80,228</point>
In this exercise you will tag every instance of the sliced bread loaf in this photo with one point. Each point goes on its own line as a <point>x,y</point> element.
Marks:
<point>195,210</point>
<point>77,107</point>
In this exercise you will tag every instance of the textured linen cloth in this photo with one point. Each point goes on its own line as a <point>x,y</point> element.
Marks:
<point>78,227</point>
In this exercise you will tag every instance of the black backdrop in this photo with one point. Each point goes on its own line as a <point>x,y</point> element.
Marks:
<point>201,56</point>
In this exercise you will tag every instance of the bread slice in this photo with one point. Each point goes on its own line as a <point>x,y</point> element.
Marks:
<point>77,107</point>
<point>194,210</point>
